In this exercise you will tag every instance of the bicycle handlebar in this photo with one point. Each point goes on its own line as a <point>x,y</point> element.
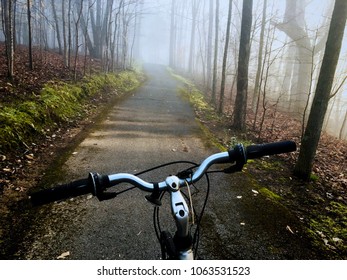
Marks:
<point>96,184</point>
<point>257,151</point>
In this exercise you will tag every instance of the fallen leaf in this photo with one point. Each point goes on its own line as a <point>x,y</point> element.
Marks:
<point>289,229</point>
<point>337,240</point>
<point>30,156</point>
<point>64,255</point>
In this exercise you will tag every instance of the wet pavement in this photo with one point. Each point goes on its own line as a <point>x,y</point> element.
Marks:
<point>151,127</point>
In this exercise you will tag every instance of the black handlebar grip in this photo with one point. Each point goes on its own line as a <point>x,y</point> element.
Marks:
<point>60,192</point>
<point>257,151</point>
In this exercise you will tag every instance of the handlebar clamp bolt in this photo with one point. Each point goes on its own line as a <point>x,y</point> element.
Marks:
<point>173,182</point>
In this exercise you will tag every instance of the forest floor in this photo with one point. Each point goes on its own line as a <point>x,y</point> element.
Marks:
<point>24,86</point>
<point>23,167</point>
<point>320,204</point>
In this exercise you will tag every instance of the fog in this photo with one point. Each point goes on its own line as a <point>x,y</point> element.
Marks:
<point>314,18</point>
<point>181,34</point>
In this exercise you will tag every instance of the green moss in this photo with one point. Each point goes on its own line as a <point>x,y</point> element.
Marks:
<point>210,139</point>
<point>15,125</point>
<point>269,194</point>
<point>330,232</point>
<point>195,97</point>
<point>271,165</point>
<point>314,177</point>
<point>198,102</point>
<point>58,102</point>
<point>127,80</point>
<point>61,101</point>
<point>180,78</point>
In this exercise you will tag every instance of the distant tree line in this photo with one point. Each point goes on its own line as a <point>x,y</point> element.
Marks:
<point>102,29</point>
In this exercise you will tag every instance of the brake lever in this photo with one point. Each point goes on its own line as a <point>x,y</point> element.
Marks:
<point>237,167</point>
<point>240,160</point>
<point>185,174</point>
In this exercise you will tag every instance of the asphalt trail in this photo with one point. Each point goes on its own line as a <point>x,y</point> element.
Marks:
<point>151,127</point>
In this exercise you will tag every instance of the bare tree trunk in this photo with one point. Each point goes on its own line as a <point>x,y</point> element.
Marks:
<point>209,47</point>
<point>57,28</point>
<point>8,32</point>
<point>343,126</point>
<point>84,26</point>
<point>195,9</point>
<point>260,58</point>
<point>14,13</point>
<point>242,73</point>
<point>30,36</point>
<point>87,42</point>
<point>173,31</point>
<point>19,29</point>
<point>264,80</point>
<point>310,81</point>
<point>215,56</point>
<point>313,129</point>
<point>135,51</point>
<point>294,26</point>
<point>98,31</point>
<point>76,37</point>
<point>114,61</point>
<point>63,13</point>
<point>225,57</point>
<point>69,36</point>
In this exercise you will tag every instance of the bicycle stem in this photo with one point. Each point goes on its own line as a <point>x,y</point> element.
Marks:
<point>180,212</point>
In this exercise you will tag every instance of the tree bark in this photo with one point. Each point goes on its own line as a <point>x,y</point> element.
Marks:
<point>215,56</point>
<point>225,57</point>
<point>172,35</point>
<point>30,36</point>
<point>65,50</point>
<point>242,73</point>
<point>79,14</point>
<point>195,8</point>
<point>320,102</point>
<point>209,47</point>
<point>343,126</point>
<point>57,29</point>
<point>260,59</point>
<point>8,32</point>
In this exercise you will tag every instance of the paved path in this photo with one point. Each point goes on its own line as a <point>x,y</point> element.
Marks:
<point>152,127</point>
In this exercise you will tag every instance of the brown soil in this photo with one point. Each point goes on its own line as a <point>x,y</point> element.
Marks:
<point>310,201</point>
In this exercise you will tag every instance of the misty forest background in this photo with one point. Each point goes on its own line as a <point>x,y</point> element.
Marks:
<point>253,59</point>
